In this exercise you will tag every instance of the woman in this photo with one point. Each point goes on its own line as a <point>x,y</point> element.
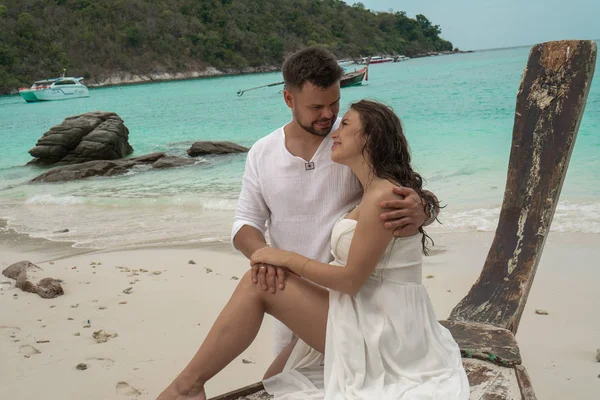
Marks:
<point>375,325</point>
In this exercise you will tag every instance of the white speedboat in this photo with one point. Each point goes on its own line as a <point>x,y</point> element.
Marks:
<point>62,88</point>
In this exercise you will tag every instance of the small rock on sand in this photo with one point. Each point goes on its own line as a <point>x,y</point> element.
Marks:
<point>77,334</point>
<point>598,356</point>
<point>122,302</point>
<point>102,308</point>
<point>429,276</point>
<point>81,366</point>
<point>42,341</point>
<point>156,272</point>
<point>128,290</point>
<point>102,336</point>
<point>244,361</point>
<point>540,311</point>
<point>234,278</point>
<point>69,319</point>
<point>208,270</point>
<point>192,262</point>
<point>75,305</point>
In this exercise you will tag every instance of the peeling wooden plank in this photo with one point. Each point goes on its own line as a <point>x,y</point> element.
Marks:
<point>251,392</point>
<point>525,383</point>
<point>491,382</point>
<point>550,104</point>
<point>487,382</point>
<point>485,342</point>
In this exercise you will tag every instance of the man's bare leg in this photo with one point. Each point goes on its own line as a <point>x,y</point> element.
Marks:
<point>278,364</point>
<point>302,306</point>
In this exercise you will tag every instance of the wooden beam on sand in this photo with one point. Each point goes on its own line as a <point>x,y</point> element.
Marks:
<point>550,104</point>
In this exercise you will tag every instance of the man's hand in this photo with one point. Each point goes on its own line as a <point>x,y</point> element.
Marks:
<point>268,277</point>
<point>408,214</point>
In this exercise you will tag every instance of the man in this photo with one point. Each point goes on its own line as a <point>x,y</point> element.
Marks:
<point>292,188</point>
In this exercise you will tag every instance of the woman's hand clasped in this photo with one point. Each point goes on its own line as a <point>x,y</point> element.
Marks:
<point>268,270</point>
<point>271,256</point>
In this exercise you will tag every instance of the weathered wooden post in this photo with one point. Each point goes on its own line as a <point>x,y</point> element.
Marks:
<point>550,104</point>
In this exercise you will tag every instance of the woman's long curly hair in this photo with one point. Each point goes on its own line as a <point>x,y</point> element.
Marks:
<point>386,149</point>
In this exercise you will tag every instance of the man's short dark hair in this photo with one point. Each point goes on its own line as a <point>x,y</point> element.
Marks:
<point>313,64</point>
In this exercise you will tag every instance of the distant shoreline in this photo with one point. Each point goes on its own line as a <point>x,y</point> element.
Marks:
<point>128,78</point>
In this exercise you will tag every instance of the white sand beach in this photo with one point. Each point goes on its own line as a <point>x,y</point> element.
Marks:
<point>172,304</point>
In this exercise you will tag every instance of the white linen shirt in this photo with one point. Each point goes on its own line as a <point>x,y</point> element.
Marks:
<point>298,206</point>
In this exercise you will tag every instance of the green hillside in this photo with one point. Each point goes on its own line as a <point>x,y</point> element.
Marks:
<point>98,38</point>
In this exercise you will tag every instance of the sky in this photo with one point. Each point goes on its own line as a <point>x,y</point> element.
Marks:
<point>488,24</point>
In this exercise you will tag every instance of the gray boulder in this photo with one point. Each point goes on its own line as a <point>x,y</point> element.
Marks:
<point>110,168</point>
<point>16,269</point>
<point>96,135</point>
<point>205,148</point>
<point>172,162</point>
<point>47,288</point>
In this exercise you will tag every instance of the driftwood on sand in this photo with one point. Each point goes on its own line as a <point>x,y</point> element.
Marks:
<point>550,104</point>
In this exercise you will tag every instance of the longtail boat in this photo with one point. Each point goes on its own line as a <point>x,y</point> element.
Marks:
<point>550,103</point>
<point>353,78</point>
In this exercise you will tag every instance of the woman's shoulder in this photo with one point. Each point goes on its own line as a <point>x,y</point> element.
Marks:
<point>381,190</point>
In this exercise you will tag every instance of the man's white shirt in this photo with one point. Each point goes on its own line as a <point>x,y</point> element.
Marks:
<point>297,205</point>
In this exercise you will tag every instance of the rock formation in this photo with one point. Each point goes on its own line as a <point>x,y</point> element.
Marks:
<point>47,288</point>
<point>110,168</point>
<point>206,147</point>
<point>96,135</point>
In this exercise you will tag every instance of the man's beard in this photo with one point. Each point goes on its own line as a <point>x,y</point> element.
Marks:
<point>318,132</point>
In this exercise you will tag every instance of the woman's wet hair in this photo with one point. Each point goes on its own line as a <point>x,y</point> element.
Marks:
<point>386,149</point>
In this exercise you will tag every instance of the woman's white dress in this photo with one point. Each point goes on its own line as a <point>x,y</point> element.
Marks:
<point>384,343</point>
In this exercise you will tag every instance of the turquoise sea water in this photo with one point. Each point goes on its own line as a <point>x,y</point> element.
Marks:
<point>457,111</point>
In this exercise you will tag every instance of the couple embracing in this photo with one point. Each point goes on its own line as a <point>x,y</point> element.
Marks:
<point>345,213</point>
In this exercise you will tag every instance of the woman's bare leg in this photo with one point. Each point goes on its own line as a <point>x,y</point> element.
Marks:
<point>302,306</point>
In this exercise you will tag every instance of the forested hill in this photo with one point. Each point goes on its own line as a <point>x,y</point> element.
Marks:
<point>100,38</point>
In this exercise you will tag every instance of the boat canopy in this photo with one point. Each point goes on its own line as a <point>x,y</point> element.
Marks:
<point>46,81</point>
<point>63,81</point>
